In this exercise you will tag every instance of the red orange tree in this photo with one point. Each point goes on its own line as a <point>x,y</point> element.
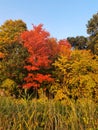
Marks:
<point>42,51</point>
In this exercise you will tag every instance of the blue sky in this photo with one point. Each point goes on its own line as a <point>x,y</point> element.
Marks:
<point>62,18</point>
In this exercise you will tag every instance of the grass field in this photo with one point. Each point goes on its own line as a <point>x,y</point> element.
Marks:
<point>21,114</point>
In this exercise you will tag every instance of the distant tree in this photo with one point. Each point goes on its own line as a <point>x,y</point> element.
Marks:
<point>92,30</point>
<point>92,26</point>
<point>79,42</point>
<point>72,41</point>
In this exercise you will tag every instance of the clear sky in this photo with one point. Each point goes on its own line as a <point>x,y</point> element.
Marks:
<point>62,18</point>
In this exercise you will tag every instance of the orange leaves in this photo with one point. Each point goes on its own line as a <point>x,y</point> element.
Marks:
<point>40,78</point>
<point>35,38</point>
<point>36,42</point>
<point>34,80</point>
<point>64,48</point>
<point>29,68</point>
<point>43,50</point>
<point>1,55</point>
<point>28,85</point>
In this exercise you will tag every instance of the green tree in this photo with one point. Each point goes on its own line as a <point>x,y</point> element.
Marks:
<point>12,65</point>
<point>92,26</point>
<point>14,61</point>
<point>79,42</point>
<point>92,30</point>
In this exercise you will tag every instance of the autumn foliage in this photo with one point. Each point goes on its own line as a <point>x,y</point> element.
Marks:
<point>38,62</point>
<point>76,77</point>
<point>64,48</point>
<point>35,67</point>
<point>42,52</point>
<point>37,43</point>
<point>10,31</point>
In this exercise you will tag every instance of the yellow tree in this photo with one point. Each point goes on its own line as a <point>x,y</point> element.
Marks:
<point>76,76</point>
<point>11,30</point>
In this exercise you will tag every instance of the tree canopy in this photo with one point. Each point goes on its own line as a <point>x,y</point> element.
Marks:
<point>32,60</point>
<point>92,25</point>
<point>11,30</point>
<point>78,42</point>
<point>92,30</point>
<point>76,76</point>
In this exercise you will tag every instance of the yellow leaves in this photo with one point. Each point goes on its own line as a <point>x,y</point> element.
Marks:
<point>11,30</point>
<point>61,96</point>
<point>79,74</point>
<point>7,84</point>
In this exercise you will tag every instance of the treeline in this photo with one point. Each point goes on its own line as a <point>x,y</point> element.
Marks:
<point>32,63</point>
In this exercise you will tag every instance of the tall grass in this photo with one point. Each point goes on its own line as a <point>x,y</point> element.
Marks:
<point>19,114</point>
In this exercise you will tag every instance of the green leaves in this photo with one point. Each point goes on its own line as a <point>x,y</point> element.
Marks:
<point>92,26</point>
<point>92,30</point>
<point>78,42</point>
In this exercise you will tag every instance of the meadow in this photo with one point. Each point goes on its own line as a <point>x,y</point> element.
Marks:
<point>44,114</point>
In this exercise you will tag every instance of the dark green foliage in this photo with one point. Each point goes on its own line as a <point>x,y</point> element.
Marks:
<point>92,30</point>
<point>12,70</point>
<point>13,62</point>
<point>92,26</point>
<point>79,42</point>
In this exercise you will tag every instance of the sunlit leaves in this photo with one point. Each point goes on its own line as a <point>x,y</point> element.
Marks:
<point>77,75</point>
<point>43,51</point>
<point>64,48</point>
<point>11,30</point>
<point>39,47</point>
